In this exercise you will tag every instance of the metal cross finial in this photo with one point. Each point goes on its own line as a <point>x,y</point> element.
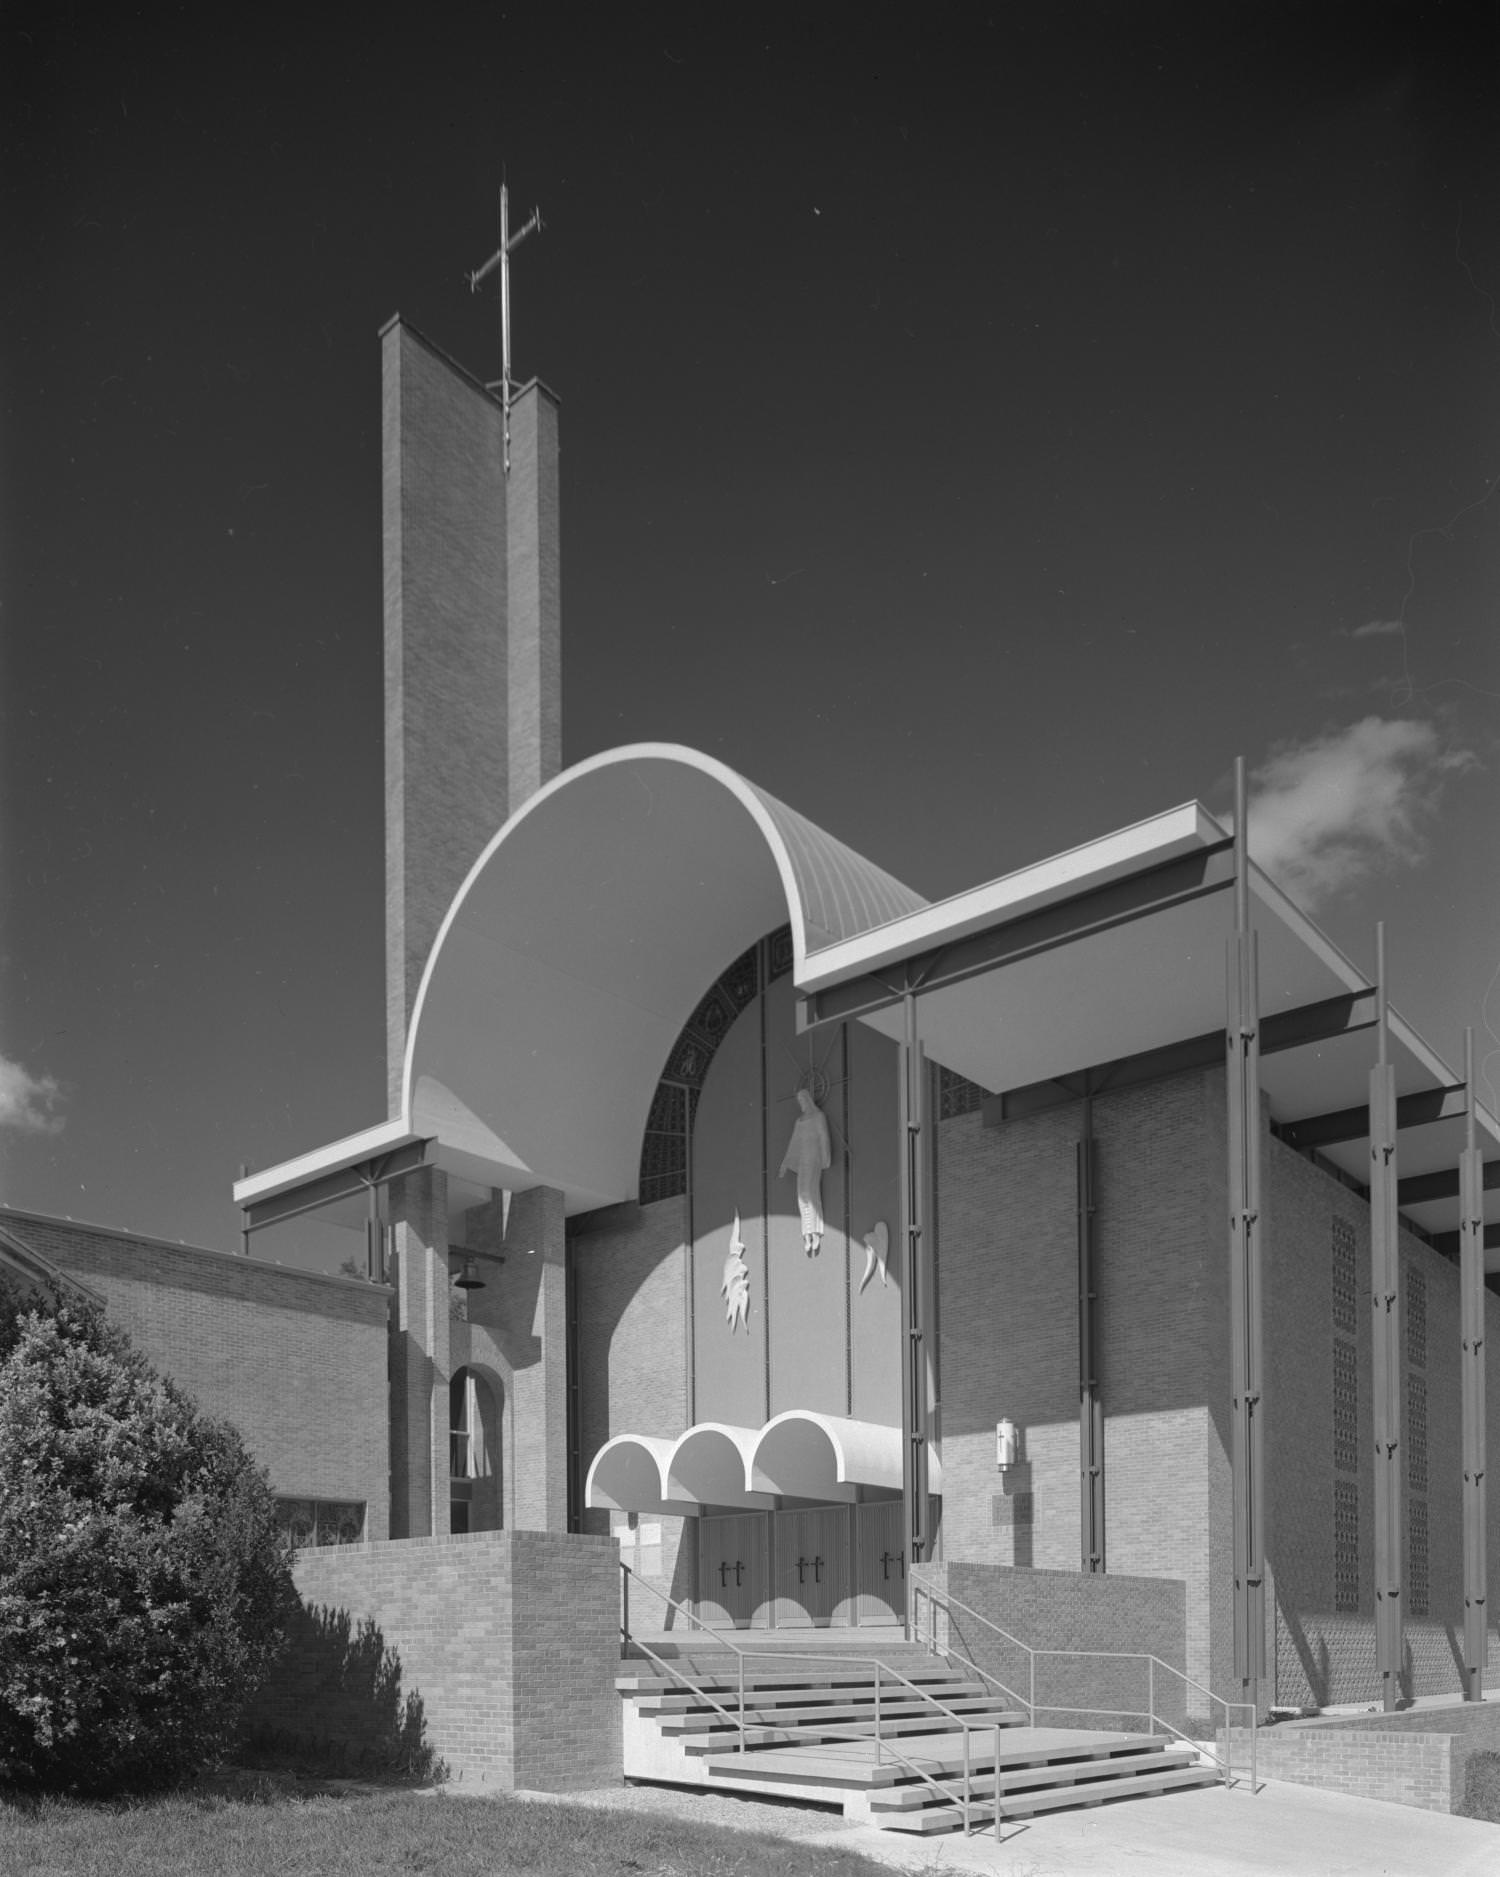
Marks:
<point>501,259</point>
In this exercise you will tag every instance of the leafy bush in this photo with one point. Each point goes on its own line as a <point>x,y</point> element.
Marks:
<point>1482,1787</point>
<point>143,1586</point>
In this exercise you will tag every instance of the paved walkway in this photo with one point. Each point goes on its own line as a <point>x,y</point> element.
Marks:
<point>1296,1830</point>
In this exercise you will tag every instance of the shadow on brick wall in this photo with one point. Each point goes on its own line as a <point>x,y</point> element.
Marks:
<point>334,1704</point>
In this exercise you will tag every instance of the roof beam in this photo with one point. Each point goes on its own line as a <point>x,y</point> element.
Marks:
<point>1119,902</point>
<point>1447,1242</point>
<point>1418,1188</point>
<point>351,1182</point>
<point>1353,1124</point>
<point>1286,1029</point>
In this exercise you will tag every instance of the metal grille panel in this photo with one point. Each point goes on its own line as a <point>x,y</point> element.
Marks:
<point>1345,1408</point>
<point>1416,1432</point>
<point>1345,1279</point>
<point>1345,1546</point>
<point>1416,1317</point>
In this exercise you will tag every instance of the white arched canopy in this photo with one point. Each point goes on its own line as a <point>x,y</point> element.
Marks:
<point>582,940</point>
<point>796,1455</point>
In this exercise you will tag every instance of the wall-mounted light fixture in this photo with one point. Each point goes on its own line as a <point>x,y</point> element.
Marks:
<point>1007,1445</point>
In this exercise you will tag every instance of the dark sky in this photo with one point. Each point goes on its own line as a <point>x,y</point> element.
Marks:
<point>977,430</point>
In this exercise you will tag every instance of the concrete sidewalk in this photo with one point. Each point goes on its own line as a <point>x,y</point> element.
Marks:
<point>1296,1830</point>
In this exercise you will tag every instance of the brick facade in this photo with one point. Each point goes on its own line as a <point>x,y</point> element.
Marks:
<point>508,1640</point>
<point>295,1359</point>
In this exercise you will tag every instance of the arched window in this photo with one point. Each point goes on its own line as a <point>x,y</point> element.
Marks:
<point>473,1454</point>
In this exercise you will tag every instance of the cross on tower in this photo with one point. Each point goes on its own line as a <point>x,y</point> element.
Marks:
<point>501,259</point>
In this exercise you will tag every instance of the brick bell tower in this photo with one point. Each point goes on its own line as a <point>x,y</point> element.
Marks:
<point>472,728</point>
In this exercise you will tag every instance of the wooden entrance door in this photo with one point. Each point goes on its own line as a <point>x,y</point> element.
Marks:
<point>732,1569</point>
<point>879,1563</point>
<point>812,1565</point>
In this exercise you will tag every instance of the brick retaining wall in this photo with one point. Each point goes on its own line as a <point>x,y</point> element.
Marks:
<point>508,1641</point>
<point>1106,1616</point>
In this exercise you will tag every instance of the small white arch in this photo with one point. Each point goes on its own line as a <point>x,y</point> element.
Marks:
<point>629,1474</point>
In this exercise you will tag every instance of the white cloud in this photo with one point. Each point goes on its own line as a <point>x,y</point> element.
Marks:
<point>1377,629</point>
<point>1329,813</point>
<point>29,1102</point>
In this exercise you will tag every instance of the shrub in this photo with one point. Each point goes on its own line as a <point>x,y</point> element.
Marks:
<point>143,1586</point>
<point>1482,1787</point>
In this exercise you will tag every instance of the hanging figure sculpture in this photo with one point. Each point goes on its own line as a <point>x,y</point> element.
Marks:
<point>808,1155</point>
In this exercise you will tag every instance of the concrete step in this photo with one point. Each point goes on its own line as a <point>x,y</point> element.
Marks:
<point>939,1817</point>
<point>917,1795</point>
<point>715,1740</point>
<point>858,1767</point>
<point>979,1708</point>
<point>679,1701</point>
<point>727,1681</point>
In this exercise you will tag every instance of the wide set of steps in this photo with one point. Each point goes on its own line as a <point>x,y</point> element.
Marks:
<point>810,1734</point>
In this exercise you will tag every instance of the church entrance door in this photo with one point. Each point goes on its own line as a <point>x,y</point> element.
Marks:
<point>732,1570</point>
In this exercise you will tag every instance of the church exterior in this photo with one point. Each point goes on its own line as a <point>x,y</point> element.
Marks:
<point>743,1218</point>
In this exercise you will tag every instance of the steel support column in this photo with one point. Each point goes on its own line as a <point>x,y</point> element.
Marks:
<point>1471,1372</point>
<point>1242,1049</point>
<point>1090,1401</point>
<point>1385,1343</point>
<point>914,1292</point>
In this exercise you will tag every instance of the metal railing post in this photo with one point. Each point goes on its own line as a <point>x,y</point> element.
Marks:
<point>997,1782</point>
<point>967,1784</point>
<point>742,1703</point>
<point>1254,1725</point>
<point>1151,1689</point>
<point>625,1602</point>
<point>877,1716</point>
<point>1031,1685</point>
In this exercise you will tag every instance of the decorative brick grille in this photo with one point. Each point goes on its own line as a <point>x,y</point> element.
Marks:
<point>1416,1317</point>
<point>1345,1280</point>
<point>957,1095</point>
<point>1416,1574</point>
<point>1416,1432</point>
<point>1345,1407</point>
<point>1345,1546</point>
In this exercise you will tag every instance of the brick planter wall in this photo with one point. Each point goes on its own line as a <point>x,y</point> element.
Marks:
<point>508,1642</point>
<point>1108,1616</point>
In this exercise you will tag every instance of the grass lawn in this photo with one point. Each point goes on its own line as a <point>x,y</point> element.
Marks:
<point>371,1835</point>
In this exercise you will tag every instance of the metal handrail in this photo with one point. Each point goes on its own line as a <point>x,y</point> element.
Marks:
<point>834,1732</point>
<point>1149,1714</point>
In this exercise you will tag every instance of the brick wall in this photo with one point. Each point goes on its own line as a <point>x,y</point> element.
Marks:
<point>630,1268</point>
<point>446,665</point>
<point>1106,1617</point>
<point>1323,1654</point>
<point>1007,1202</point>
<point>295,1359</point>
<point>509,1642</point>
<point>1421,1769</point>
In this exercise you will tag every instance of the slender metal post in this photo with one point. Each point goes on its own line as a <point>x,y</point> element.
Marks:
<point>625,1603</point>
<point>966,1780</point>
<point>878,1749</point>
<point>1151,1689</point>
<point>1090,1402</point>
<point>742,1700</point>
<point>1385,1304</point>
<point>1471,1364</point>
<point>914,1378</point>
<point>997,1781</point>
<point>1031,1684</point>
<point>1246,1251</point>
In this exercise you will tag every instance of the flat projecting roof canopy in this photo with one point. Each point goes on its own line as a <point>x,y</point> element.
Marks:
<point>602,911</point>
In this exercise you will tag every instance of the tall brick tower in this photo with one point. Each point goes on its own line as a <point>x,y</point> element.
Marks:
<point>473,708</point>
<point>472,728</point>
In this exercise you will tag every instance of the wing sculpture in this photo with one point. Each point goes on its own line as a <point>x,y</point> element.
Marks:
<point>877,1250</point>
<point>736,1285</point>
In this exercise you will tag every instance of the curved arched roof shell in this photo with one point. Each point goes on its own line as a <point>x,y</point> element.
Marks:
<point>581,941</point>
